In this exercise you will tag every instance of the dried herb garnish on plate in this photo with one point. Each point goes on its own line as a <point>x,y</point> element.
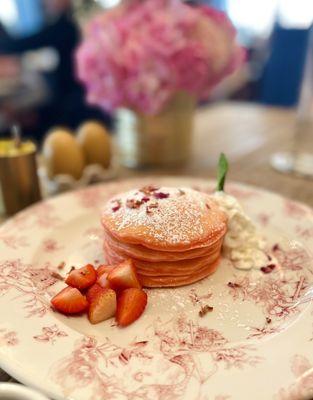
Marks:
<point>61,265</point>
<point>57,276</point>
<point>204,310</point>
<point>233,285</point>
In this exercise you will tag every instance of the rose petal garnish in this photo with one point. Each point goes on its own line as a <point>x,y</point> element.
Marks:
<point>161,195</point>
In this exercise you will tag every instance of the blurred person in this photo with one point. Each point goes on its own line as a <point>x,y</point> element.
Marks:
<point>66,105</point>
<point>10,67</point>
<point>281,78</point>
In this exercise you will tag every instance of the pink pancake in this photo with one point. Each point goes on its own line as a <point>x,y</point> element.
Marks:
<point>163,268</point>
<point>170,281</point>
<point>168,219</point>
<point>175,273</point>
<point>176,268</point>
<point>143,253</point>
<point>174,236</point>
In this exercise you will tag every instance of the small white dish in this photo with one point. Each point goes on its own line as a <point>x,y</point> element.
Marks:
<point>15,391</point>
<point>92,173</point>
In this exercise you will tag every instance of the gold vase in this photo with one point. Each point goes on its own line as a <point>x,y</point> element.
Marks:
<point>156,140</point>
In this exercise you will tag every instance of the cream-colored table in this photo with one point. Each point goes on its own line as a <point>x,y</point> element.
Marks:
<point>248,134</point>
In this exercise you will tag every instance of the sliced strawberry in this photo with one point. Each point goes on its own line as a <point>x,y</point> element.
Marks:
<point>102,304</point>
<point>130,305</point>
<point>92,291</point>
<point>69,301</point>
<point>104,269</point>
<point>103,281</point>
<point>82,278</point>
<point>124,276</point>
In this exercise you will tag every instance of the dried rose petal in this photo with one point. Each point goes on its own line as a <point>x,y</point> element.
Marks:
<point>150,207</point>
<point>124,357</point>
<point>269,268</point>
<point>161,195</point>
<point>276,247</point>
<point>148,189</point>
<point>56,275</point>
<point>132,203</point>
<point>233,285</point>
<point>145,199</point>
<point>204,310</point>
<point>117,205</point>
<point>268,320</point>
<point>141,343</point>
<point>61,265</point>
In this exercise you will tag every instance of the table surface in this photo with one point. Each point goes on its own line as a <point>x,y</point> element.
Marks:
<point>249,134</point>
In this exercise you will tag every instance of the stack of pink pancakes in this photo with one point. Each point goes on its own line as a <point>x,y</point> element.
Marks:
<point>173,235</point>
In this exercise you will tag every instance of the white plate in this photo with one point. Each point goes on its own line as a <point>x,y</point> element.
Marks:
<point>16,391</point>
<point>253,345</point>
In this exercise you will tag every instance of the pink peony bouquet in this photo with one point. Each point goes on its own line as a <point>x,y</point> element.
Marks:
<point>139,54</point>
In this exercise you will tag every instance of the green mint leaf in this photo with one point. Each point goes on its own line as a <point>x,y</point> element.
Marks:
<point>221,172</point>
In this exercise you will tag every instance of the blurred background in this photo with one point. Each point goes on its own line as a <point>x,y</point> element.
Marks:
<point>38,38</point>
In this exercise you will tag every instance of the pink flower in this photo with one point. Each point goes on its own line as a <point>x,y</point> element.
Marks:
<point>139,54</point>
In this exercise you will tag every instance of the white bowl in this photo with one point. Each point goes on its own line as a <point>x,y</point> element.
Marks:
<point>15,391</point>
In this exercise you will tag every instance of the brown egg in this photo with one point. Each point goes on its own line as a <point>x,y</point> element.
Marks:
<point>62,154</point>
<point>95,142</point>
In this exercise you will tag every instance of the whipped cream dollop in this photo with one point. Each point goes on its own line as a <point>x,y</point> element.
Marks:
<point>243,243</point>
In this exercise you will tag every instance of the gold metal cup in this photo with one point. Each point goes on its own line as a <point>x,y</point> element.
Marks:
<point>18,176</point>
<point>160,140</point>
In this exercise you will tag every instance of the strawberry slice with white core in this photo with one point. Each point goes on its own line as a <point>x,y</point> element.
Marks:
<point>102,304</point>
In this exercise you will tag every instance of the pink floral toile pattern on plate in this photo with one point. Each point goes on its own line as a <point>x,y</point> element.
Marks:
<point>302,370</point>
<point>31,284</point>
<point>14,241</point>
<point>181,345</point>
<point>50,334</point>
<point>295,210</point>
<point>305,233</point>
<point>44,215</point>
<point>8,338</point>
<point>51,245</point>
<point>260,333</point>
<point>273,294</point>
<point>91,198</point>
<point>241,193</point>
<point>263,218</point>
<point>293,259</point>
<point>197,299</point>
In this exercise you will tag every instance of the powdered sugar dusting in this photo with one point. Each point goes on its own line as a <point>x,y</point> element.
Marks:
<point>167,215</point>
